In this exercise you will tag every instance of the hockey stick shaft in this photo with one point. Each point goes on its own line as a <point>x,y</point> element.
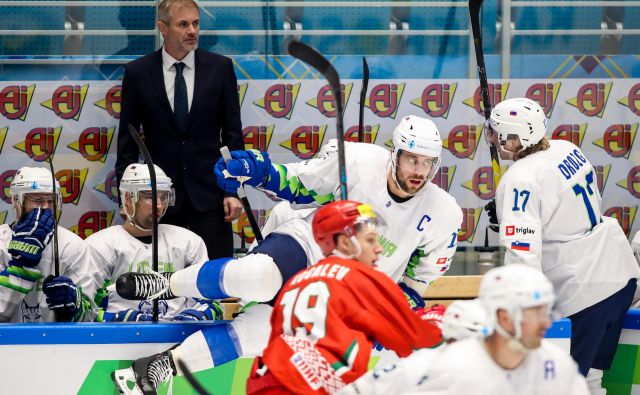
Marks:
<point>154,207</point>
<point>190,378</point>
<point>313,58</point>
<point>226,155</point>
<point>475,7</point>
<point>363,97</point>
<point>56,255</point>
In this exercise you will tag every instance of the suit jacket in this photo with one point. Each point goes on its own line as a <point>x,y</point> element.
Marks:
<point>214,120</point>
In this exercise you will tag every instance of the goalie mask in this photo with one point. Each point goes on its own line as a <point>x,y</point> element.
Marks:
<point>32,180</point>
<point>136,186</point>
<point>418,136</point>
<point>519,117</point>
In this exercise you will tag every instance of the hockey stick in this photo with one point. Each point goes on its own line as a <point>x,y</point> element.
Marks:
<point>56,255</point>
<point>190,378</point>
<point>312,57</point>
<point>154,207</point>
<point>363,96</point>
<point>224,151</point>
<point>474,13</point>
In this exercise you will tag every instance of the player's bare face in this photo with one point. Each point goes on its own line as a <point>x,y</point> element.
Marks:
<point>535,322</point>
<point>370,247</point>
<point>182,32</point>
<point>144,209</point>
<point>412,171</point>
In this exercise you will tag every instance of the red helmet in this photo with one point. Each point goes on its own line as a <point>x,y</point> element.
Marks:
<point>341,217</point>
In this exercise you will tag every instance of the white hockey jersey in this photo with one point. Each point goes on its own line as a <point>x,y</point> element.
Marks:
<point>16,306</point>
<point>115,251</point>
<point>465,367</point>
<point>549,210</point>
<point>422,232</point>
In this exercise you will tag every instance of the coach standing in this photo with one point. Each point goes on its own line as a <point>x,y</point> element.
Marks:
<point>186,100</point>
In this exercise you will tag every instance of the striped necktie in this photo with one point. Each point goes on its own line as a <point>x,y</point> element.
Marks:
<point>180,100</point>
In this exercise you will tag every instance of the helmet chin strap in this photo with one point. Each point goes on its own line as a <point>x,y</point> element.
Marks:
<point>513,341</point>
<point>394,171</point>
<point>355,241</point>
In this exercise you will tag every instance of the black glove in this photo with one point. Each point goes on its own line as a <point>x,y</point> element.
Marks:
<point>490,208</point>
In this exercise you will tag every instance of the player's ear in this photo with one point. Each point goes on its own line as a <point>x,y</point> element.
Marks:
<point>344,245</point>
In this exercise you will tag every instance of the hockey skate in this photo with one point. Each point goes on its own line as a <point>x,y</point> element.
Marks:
<point>145,375</point>
<point>144,286</point>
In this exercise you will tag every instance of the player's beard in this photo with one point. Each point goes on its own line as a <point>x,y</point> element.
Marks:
<point>407,187</point>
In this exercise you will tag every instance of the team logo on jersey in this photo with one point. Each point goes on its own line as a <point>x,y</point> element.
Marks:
<point>436,99</point>
<point>591,99</point>
<point>570,132</point>
<point>544,94</point>
<point>5,182</point>
<point>497,93</point>
<point>444,177</point>
<point>279,100</point>
<point>242,227</point>
<point>3,136</point>
<point>94,143</point>
<point>15,101</point>
<point>632,182</point>
<point>384,99</point>
<point>602,175</point>
<point>40,143</point>
<point>109,187</point>
<point>242,92</point>
<point>67,101</point>
<point>112,101</point>
<point>305,141</point>
<point>388,246</point>
<point>257,137</point>
<point>482,182</point>
<point>632,100</point>
<point>325,102</point>
<point>625,216</point>
<point>463,140</point>
<point>470,219</point>
<point>370,133</point>
<point>71,184</point>
<point>91,222</point>
<point>618,140</point>
<point>512,230</point>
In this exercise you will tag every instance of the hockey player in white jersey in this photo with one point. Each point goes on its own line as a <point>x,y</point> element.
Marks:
<point>28,290</point>
<point>549,209</point>
<point>461,320</point>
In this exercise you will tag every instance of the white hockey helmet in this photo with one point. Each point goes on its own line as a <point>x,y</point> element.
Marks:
<point>521,117</point>
<point>136,178</point>
<point>33,180</point>
<point>465,318</point>
<point>513,288</point>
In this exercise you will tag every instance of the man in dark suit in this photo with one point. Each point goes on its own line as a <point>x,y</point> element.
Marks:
<point>187,103</point>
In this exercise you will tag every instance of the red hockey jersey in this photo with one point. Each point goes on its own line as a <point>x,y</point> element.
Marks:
<point>326,319</point>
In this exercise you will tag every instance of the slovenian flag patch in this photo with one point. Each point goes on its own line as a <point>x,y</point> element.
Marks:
<point>520,246</point>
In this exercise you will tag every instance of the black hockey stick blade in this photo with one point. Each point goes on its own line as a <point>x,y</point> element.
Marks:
<point>154,207</point>
<point>56,255</point>
<point>363,97</point>
<point>315,59</point>
<point>224,151</point>
<point>190,378</point>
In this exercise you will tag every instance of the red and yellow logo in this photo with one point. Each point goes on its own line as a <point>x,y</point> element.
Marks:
<point>15,101</point>
<point>326,103</point>
<point>463,140</point>
<point>497,93</point>
<point>632,182</point>
<point>5,182</point>
<point>242,227</point>
<point>305,141</point>
<point>242,92</point>
<point>591,99</point>
<point>94,143</point>
<point>444,177</point>
<point>602,176</point>
<point>370,133</point>
<point>71,184</point>
<point>544,94</point>
<point>384,99</point>
<point>40,143</point>
<point>572,133</point>
<point>482,182</point>
<point>3,136</point>
<point>112,101</point>
<point>279,100</point>
<point>257,137</point>
<point>109,187</point>
<point>91,222</point>
<point>625,216</point>
<point>470,219</point>
<point>618,140</point>
<point>632,100</point>
<point>436,99</point>
<point>67,101</point>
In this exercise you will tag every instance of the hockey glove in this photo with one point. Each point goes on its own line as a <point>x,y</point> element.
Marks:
<point>433,314</point>
<point>127,315</point>
<point>413,298</point>
<point>204,311</point>
<point>63,297</point>
<point>30,237</point>
<point>490,208</point>
<point>250,167</point>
